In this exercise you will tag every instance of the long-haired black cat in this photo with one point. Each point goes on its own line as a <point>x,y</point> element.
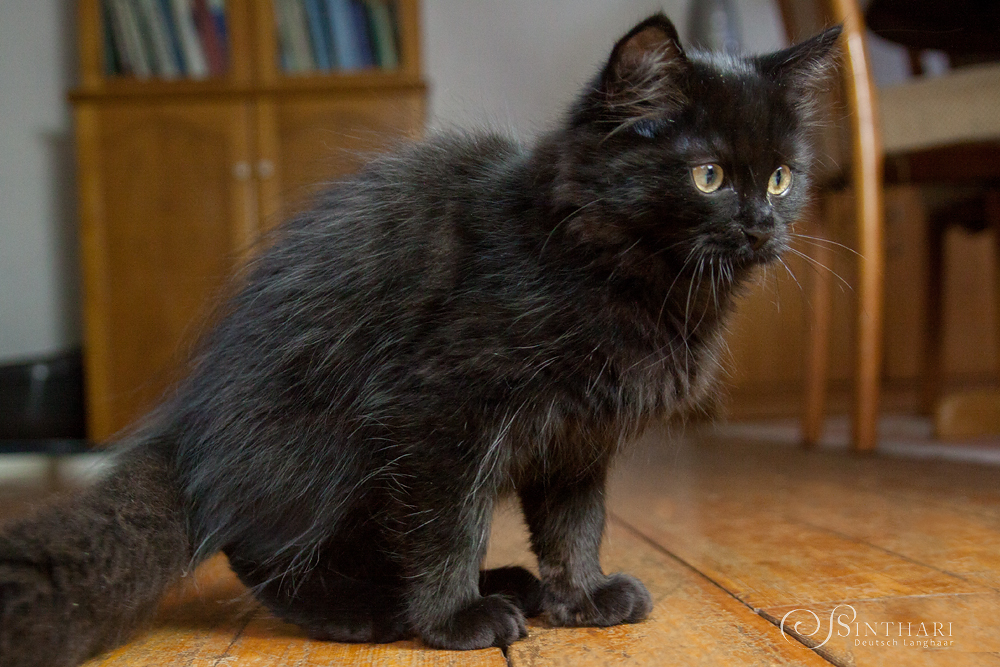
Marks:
<point>460,320</point>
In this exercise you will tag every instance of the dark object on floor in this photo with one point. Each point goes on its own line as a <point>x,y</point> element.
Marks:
<point>42,399</point>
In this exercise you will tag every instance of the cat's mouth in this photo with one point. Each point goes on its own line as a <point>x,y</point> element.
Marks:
<point>750,248</point>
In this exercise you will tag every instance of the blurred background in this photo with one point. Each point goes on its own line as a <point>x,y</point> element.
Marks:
<point>178,157</point>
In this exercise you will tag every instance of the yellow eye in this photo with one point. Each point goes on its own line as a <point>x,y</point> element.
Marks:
<point>780,180</point>
<point>707,177</point>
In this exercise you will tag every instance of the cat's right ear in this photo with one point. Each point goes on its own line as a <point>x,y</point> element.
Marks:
<point>650,48</point>
<point>641,81</point>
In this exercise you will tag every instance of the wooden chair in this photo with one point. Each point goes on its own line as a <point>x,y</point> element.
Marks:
<point>939,131</point>
<point>944,132</point>
<point>864,172</point>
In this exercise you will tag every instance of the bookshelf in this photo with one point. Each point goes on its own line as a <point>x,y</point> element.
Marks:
<point>177,177</point>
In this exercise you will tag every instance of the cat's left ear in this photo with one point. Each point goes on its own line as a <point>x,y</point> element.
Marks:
<point>807,66</point>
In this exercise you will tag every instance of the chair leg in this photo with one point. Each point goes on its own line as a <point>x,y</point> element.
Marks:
<point>993,221</point>
<point>817,359</point>
<point>933,334</point>
<point>869,212</point>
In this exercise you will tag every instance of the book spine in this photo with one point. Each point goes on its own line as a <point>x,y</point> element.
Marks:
<point>209,39</point>
<point>158,38</point>
<point>299,33</point>
<point>115,53</point>
<point>284,36</point>
<point>383,34</point>
<point>132,39</point>
<point>194,56</point>
<point>218,10</point>
<point>317,33</point>
<point>174,35</point>
<point>345,46</point>
<point>359,18</point>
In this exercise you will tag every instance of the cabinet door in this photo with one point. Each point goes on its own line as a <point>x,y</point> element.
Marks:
<point>167,208</point>
<point>306,140</point>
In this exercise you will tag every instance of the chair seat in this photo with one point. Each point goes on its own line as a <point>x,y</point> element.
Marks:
<point>962,106</point>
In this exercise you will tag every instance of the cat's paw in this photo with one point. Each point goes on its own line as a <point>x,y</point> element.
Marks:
<point>357,630</point>
<point>517,583</point>
<point>489,621</point>
<point>620,598</point>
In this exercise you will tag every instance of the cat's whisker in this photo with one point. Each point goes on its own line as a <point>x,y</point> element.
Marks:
<point>670,289</point>
<point>817,240</point>
<point>792,275</point>
<point>819,265</point>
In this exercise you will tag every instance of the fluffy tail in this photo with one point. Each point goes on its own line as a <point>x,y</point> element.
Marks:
<point>81,575</point>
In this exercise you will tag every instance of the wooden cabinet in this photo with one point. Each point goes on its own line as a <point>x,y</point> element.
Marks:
<point>177,179</point>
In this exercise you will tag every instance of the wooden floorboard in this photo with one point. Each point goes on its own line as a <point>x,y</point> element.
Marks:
<point>693,622</point>
<point>900,542</point>
<point>730,536</point>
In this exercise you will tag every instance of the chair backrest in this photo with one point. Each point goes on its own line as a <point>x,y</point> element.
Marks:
<point>853,138</point>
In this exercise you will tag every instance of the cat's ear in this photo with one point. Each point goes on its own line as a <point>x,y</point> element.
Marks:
<point>641,80</point>
<point>805,67</point>
<point>649,48</point>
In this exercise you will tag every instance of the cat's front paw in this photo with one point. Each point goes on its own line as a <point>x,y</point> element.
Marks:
<point>518,584</point>
<point>488,621</point>
<point>620,598</point>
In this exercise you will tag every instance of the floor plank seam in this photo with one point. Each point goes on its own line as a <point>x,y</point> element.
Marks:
<point>232,643</point>
<point>908,559</point>
<point>758,612</point>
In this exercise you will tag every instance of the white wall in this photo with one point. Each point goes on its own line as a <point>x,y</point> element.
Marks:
<point>516,64</point>
<point>513,64</point>
<point>39,312</point>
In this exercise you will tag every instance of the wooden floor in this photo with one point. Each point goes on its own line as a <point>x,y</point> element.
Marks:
<point>730,537</point>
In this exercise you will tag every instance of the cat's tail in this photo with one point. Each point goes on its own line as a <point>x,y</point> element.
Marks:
<point>82,574</point>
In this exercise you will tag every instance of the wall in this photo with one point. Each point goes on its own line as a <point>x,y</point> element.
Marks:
<point>516,64</point>
<point>513,64</point>
<point>39,307</point>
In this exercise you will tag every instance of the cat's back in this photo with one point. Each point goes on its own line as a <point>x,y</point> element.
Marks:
<point>366,266</point>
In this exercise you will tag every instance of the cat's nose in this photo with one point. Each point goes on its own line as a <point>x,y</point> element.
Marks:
<point>757,238</point>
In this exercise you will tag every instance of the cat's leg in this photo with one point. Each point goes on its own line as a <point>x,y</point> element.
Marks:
<point>566,518</point>
<point>329,604</point>
<point>517,583</point>
<point>443,549</point>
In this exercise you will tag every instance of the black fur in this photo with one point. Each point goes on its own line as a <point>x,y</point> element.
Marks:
<point>462,319</point>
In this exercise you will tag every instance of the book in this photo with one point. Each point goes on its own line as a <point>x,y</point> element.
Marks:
<point>210,43</point>
<point>359,18</point>
<point>194,56</point>
<point>126,25</point>
<point>173,33</point>
<point>293,32</point>
<point>218,10</point>
<point>113,45</point>
<point>341,28</point>
<point>383,30</point>
<point>316,18</point>
<point>157,38</point>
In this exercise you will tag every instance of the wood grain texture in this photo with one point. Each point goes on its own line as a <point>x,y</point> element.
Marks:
<point>784,529</point>
<point>866,173</point>
<point>729,536</point>
<point>178,178</point>
<point>693,621</point>
<point>311,141</point>
<point>164,221</point>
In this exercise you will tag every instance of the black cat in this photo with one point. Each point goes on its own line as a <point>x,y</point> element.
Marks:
<point>460,320</point>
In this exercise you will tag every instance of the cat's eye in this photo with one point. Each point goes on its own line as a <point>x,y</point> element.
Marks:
<point>780,180</point>
<point>707,177</point>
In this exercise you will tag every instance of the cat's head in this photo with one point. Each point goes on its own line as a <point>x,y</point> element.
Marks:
<point>691,155</point>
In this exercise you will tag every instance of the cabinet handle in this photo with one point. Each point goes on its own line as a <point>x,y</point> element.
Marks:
<point>241,170</point>
<point>265,169</point>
